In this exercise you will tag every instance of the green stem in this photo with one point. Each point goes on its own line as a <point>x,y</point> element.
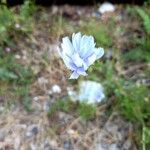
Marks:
<point>143,138</point>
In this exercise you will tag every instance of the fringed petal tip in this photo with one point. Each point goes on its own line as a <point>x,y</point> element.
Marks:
<point>99,52</point>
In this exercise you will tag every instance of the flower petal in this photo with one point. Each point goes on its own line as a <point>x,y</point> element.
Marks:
<point>67,46</point>
<point>76,38</point>
<point>77,60</point>
<point>74,75</point>
<point>99,52</point>
<point>90,60</point>
<point>86,46</point>
<point>68,62</point>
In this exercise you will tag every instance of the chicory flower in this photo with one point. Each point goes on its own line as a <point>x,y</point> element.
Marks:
<point>96,94</point>
<point>79,53</point>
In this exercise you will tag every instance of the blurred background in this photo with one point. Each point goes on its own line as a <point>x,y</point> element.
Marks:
<point>77,2</point>
<point>41,109</point>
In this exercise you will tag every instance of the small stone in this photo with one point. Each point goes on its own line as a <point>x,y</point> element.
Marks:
<point>79,11</point>
<point>64,117</point>
<point>50,92</point>
<point>36,69</point>
<point>21,126</point>
<point>72,94</point>
<point>35,130</point>
<point>36,98</point>
<point>56,89</point>
<point>53,143</point>
<point>46,106</point>
<point>42,80</point>
<point>54,10</point>
<point>29,134</point>
<point>53,51</point>
<point>127,144</point>
<point>17,26</point>
<point>2,109</point>
<point>67,145</point>
<point>33,147</point>
<point>17,143</point>
<point>2,136</point>
<point>24,57</point>
<point>31,131</point>
<point>17,56</point>
<point>73,133</point>
<point>113,147</point>
<point>106,7</point>
<point>47,145</point>
<point>96,14</point>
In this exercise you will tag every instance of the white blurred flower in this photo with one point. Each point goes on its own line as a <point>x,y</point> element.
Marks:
<point>91,92</point>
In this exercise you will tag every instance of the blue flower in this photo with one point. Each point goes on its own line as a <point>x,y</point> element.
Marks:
<point>95,95</point>
<point>79,53</point>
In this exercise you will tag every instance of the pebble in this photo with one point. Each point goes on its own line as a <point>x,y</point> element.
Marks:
<point>2,136</point>
<point>106,7</point>
<point>21,126</point>
<point>24,57</point>
<point>72,94</point>
<point>96,14</point>
<point>54,10</point>
<point>47,145</point>
<point>2,109</point>
<point>53,143</point>
<point>127,144</point>
<point>33,147</point>
<point>17,56</point>
<point>64,117</point>
<point>46,105</point>
<point>56,89</point>
<point>106,147</point>
<point>17,143</point>
<point>36,98</point>
<point>67,145</point>
<point>42,81</point>
<point>32,131</point>
<point>17,26</point>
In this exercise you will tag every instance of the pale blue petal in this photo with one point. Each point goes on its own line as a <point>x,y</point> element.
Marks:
<point>77,60</point>
<point>74,75</point>
<point>68,62</point>
<point>90,60</point>
<point>99,52</point>
<point>67,46</point>
<point>76,38</point>
<point>86,46</point>
<point>85,65</point>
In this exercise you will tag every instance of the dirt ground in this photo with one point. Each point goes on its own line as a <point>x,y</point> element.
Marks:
<point>35,130</point>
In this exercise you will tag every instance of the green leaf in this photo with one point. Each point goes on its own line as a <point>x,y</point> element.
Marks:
<point>7,75</point>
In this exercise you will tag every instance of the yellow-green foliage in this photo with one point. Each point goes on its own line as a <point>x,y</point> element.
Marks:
<point>86,111</point>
